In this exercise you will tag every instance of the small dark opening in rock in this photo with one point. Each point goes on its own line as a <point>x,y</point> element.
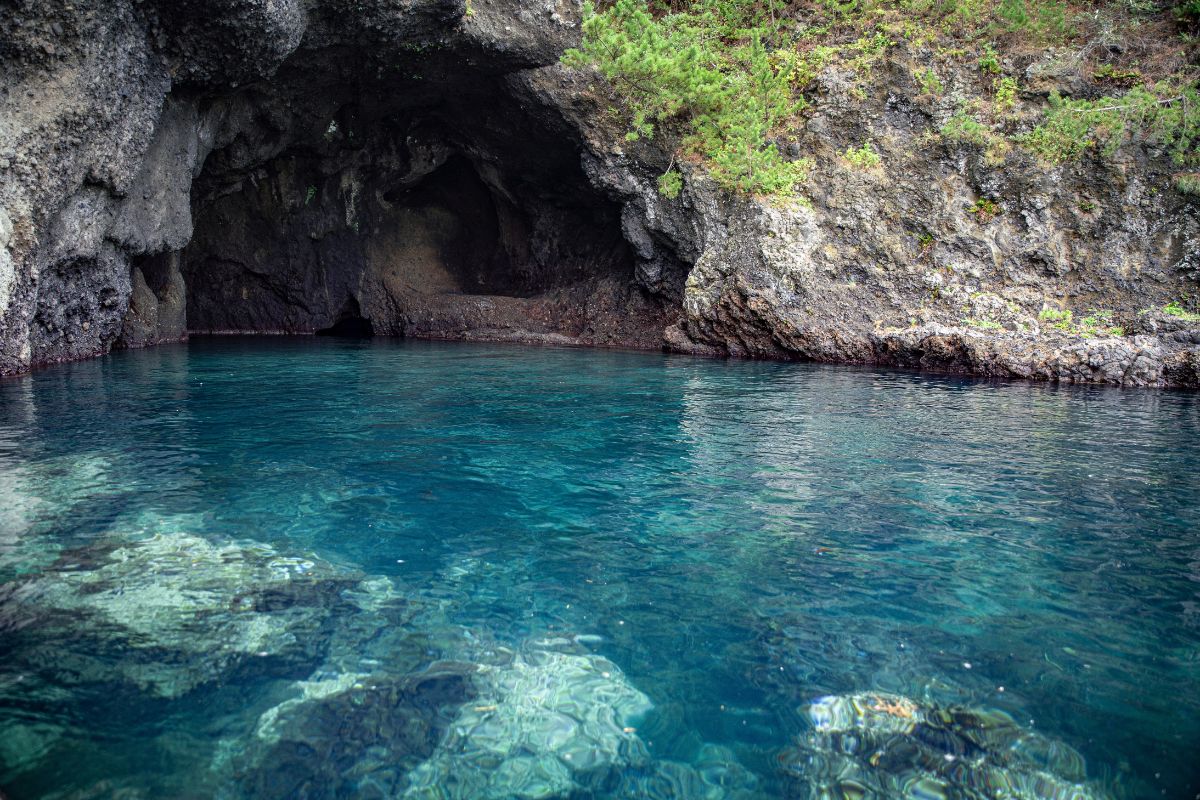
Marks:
<point>349,327</point>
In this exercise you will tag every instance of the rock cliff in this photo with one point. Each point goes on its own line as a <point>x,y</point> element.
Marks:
<point>428,168</point>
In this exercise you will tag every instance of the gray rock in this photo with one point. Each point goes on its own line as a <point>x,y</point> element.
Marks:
<point>543,725</point>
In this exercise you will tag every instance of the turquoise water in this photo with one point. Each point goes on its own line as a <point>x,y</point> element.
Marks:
<point>319,568</point>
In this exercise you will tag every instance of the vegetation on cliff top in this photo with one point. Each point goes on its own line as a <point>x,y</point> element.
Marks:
<point>717,66</point>
<point>728,82</point>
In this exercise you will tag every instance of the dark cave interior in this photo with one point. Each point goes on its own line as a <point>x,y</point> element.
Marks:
<point>443,202</point>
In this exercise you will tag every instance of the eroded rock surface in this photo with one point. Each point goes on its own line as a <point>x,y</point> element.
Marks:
<point>417,169</point>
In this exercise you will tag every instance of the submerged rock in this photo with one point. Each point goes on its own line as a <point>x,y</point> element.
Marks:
<point>181,609</point>
<point>39,498</point>
<point>348,734</point>
<point>716,774</point>
<point>884,745</point>
<point>538,723</point>
<point>543,725</point>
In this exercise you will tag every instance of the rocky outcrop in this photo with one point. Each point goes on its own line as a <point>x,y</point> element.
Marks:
<point>224,606</point>
<point>249,166</point>
<point>428,169</point>
<point>890,265</point>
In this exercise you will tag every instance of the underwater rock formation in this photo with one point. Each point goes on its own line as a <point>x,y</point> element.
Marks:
<point>350,734</point>
<point>541,726</point>
<point>421,170</point>
<point>884,745</point>
<point>29,498</point>
<point>182,610</point>
<point>531,724</point>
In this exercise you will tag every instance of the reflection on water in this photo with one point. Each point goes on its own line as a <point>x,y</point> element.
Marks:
<point>281,568</point>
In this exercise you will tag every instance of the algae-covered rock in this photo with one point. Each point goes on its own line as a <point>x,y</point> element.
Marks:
<point>883,745</point>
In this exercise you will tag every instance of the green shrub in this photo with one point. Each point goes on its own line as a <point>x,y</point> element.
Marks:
<point>1187,183</point>
<point>725,79</point>
<point>1187,13</point>
<point>962,127</point>
<point>670,184</point>
<point>1064,135</point>
<point>1174,309</point>
<point>657,72</point>
<point>989,62</point>
<point>729,97</point>
<point>1098,322</point>
<point>863,157</point>
<point>1044,20</point>
<point>1165,114</point>
<point>985,209</point>
<point>1059,318</point>
<point>1107,73</point>
<point>1005,93</point>
<point>929,82</point>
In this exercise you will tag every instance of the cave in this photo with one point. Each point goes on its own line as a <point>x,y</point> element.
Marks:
<point>450,169</point>
<point>418,168</point>
<point>350,324</point>
<point>427,195</point>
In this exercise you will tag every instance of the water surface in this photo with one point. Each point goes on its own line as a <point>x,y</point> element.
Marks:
<point>321,568</point>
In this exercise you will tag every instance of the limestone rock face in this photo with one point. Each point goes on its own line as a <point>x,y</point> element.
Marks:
<point>415,167</point>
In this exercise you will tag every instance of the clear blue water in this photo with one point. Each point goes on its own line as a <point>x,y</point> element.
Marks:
<point>321,568</point>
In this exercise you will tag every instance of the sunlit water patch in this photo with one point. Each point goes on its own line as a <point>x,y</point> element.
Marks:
<point>323,569</point>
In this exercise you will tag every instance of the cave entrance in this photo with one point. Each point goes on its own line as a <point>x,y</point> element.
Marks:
<point>350,324</point>
<point>454,205</point>
<point>349,328</point>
